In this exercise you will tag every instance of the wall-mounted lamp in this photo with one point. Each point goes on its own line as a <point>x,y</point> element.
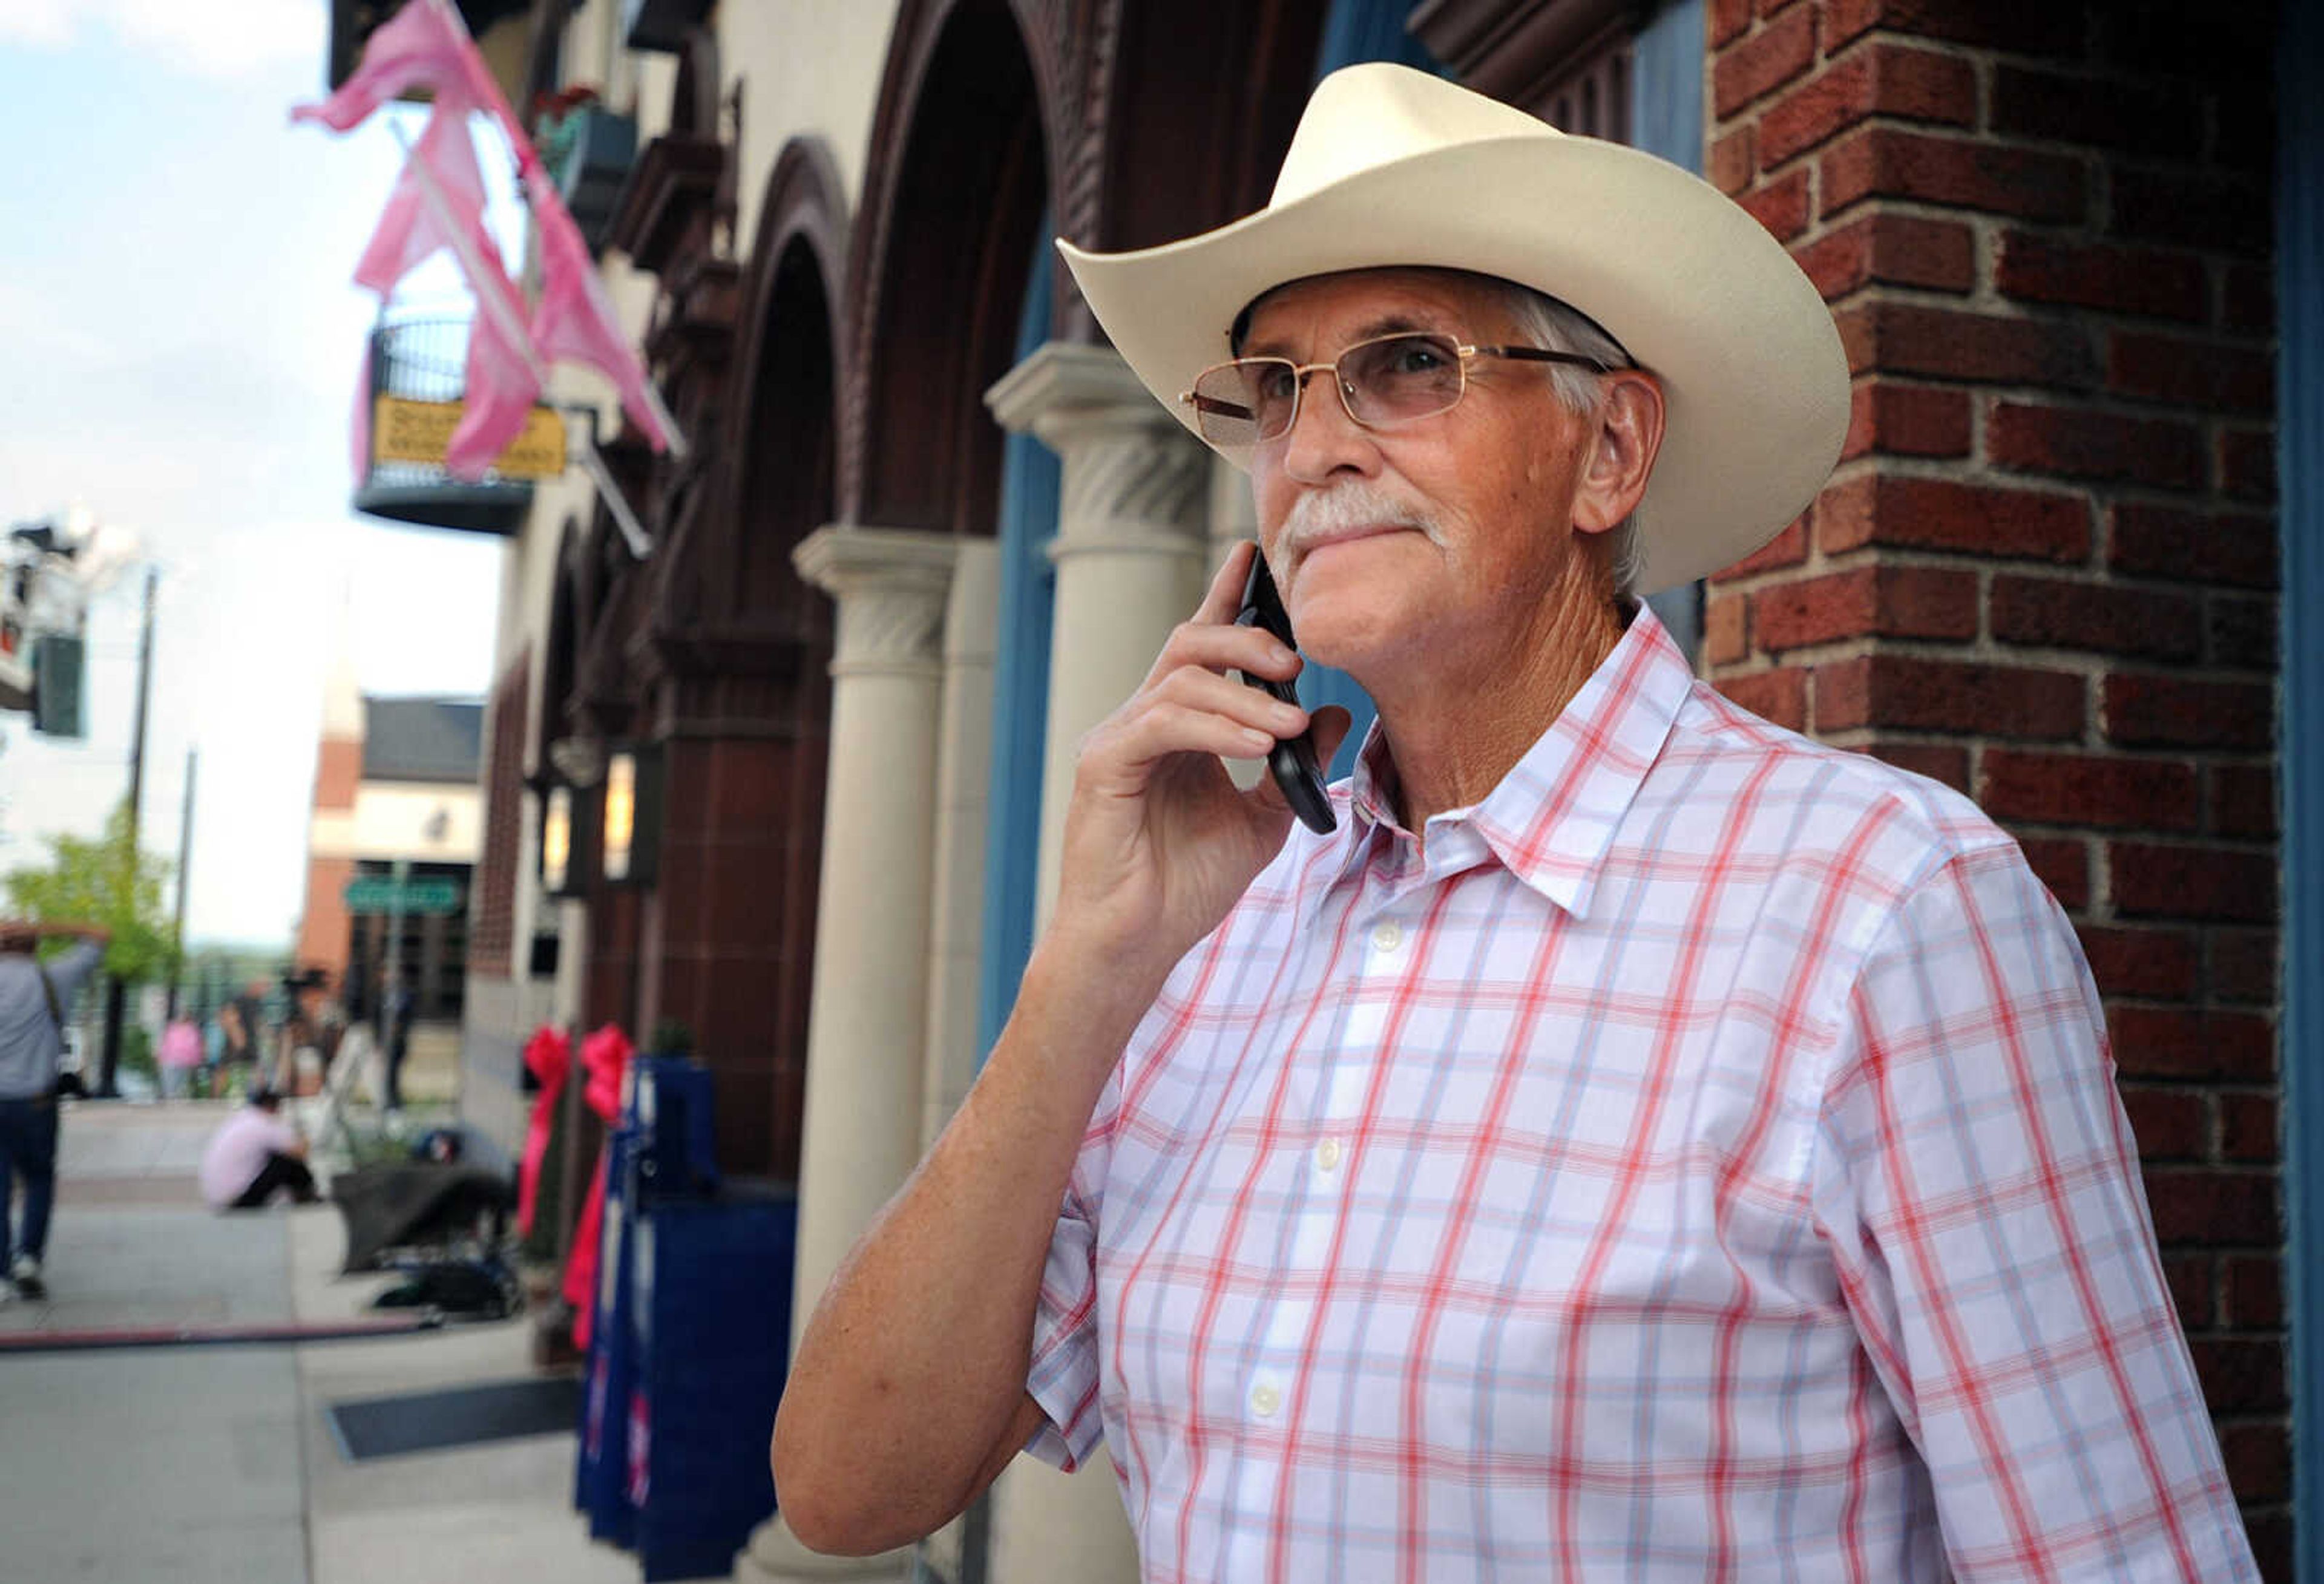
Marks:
<point>631,825</point>
<point>567,839</point>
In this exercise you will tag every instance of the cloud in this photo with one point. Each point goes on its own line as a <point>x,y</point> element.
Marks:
<point>34,332</point>
<point>40,24</point>
<point>224,39</point>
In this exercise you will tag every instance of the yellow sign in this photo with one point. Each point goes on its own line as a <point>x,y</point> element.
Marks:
<point>418,431</point>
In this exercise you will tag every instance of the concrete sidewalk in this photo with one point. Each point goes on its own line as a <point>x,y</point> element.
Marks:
<point>202,1463</point>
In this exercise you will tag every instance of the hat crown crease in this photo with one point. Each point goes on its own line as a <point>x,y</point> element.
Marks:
<point>1374,114</point>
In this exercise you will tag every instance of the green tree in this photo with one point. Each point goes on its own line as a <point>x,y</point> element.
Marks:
<point>107,881</point>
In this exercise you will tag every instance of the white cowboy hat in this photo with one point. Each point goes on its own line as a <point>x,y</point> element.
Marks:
<point>1391,166</point>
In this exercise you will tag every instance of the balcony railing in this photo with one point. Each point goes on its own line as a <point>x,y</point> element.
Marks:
<point>424,362</point>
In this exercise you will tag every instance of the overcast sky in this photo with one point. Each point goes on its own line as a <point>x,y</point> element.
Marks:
<point>179,350</point>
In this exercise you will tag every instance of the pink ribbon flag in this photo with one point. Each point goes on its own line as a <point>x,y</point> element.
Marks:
<point>439,201</point>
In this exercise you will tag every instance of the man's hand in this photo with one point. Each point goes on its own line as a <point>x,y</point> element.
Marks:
<point>1159,842</point>
<point>908,1393</point>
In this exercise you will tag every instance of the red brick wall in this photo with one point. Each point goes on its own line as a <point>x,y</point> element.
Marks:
<point>492,933</point>
<point>338,770</point>
<point>2045,569</point>
<point>323,925</point>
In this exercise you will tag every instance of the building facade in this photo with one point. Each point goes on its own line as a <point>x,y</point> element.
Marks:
<point>396,798</point>
<point>929,530</point>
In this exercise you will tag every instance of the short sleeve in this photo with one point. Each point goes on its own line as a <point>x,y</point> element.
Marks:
<point>1977,1183</point>
<point>1064,1374</point>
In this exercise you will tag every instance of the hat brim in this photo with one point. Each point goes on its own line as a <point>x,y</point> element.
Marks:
<point>1755,381</point>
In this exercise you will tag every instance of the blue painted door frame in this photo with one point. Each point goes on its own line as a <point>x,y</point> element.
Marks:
<point>2300,475</point>
<point>1030,480</point>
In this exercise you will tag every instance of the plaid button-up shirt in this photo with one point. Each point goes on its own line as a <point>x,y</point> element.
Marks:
<point>1703,1161</point>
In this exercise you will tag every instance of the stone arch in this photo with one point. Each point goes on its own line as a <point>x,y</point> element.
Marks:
<point>783,485</point>
<point>609,587</point>
<point>743,717</point>
<point>959,174</point>
<point>560,660</point>
<point>1187,145</point>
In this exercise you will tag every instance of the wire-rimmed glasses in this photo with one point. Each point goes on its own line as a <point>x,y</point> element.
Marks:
<point>1384,382</point>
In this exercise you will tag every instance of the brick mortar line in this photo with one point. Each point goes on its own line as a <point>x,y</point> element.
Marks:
<point>1995,305</point>
<point>2055,65</point>
<point>1869,742</point>
<point>2224,1087</point>
<point>2083,234</point>
<point>2147,835</point>
<point>1985,648</point>
<point>2119,405</point>
<point>2102,491</point>
<point>1936,558</point>
<point>2086,663</point>
<point>2089,232</point>
<point>1924,737</point>
<point>2098,398</point>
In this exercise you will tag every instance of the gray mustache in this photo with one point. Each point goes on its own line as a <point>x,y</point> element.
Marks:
<point>1319,514</point>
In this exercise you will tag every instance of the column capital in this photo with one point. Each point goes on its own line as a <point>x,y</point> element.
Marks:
<point>890,584</point>
<point>1134,479</point>
<point>1065,389</point>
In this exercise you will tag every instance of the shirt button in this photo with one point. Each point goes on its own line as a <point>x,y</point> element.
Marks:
<point>1387,935</point>
<point>1265,1400</point>
<point>1327,1155</point>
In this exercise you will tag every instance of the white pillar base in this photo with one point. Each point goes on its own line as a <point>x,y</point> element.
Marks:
<point>1048,1526</point>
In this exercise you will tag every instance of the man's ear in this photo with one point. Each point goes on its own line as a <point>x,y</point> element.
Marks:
<point>1629,436</point>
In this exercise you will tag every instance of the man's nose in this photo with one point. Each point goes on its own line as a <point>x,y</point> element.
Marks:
<point>1324,439</point>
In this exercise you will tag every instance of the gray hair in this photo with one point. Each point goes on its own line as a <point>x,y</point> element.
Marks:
<point>1557,327</point>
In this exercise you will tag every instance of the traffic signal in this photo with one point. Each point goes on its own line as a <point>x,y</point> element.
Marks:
<point>60,671</point>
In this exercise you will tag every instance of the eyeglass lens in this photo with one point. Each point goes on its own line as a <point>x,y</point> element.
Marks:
<point>1391,380</point>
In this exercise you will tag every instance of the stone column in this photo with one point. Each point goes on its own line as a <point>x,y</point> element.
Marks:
<point>868,1011</point>
<point>1130,546</point>
<point>1129,554</point>
<point>964,790</point>
<point>867,1021</point>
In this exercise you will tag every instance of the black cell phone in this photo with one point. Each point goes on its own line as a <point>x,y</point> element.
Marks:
<point>1293,758</point>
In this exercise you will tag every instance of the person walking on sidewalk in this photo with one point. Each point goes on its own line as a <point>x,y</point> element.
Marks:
<point>179,1053</point>
<point>254,1154</point>
<point>402,1001</point>
<point>33,997</point>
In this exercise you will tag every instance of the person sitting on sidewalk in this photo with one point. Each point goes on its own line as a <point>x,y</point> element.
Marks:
<point>253,1154</point>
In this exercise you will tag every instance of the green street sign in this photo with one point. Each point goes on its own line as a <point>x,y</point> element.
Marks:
<point>374,893</point>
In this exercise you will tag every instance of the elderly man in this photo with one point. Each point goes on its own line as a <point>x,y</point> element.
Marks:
<point>33,996</point>
<point>1636,1142</point>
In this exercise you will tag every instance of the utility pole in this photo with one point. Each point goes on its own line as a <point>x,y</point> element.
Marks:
<point>115,993</point>
<point>185,874</point>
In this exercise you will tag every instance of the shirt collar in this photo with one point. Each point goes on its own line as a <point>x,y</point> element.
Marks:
<point>1551,819</point>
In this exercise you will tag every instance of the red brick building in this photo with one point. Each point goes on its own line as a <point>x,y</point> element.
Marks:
<point>395,793</point>
<point>2045,571</point>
